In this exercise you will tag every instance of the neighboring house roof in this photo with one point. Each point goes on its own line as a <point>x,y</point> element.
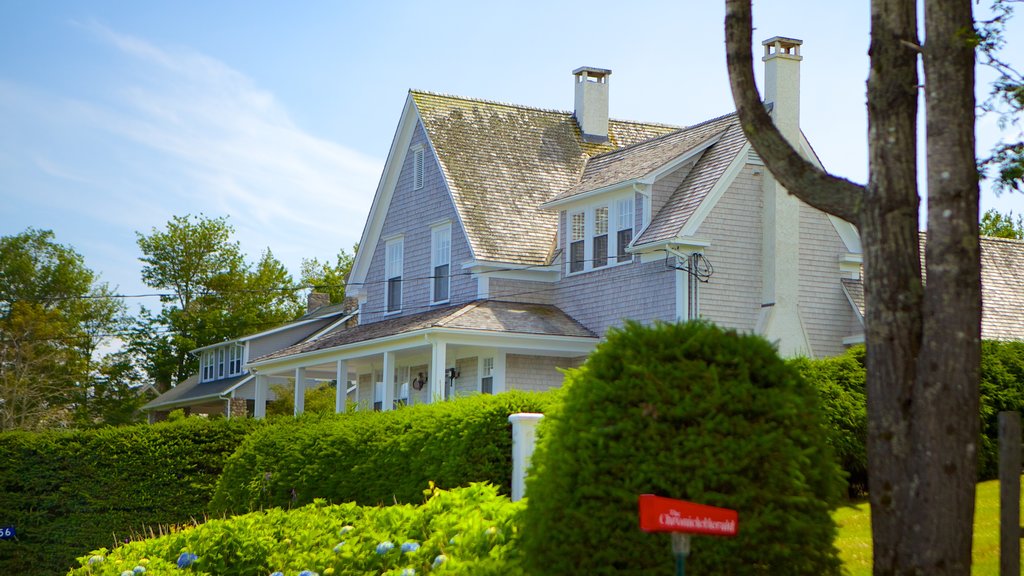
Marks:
<point>854,290</point>
<point>502,161</point>
<point>1002,288</point>
<point>482,315</point>
<point>700,181</point>
<point>190,392</point>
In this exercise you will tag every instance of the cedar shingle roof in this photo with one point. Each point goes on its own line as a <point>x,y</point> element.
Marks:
<point>1002,288</point>
<point>702,178</point>
<point>502,161</point>
<point>482,315</point>
<point>641,159</point>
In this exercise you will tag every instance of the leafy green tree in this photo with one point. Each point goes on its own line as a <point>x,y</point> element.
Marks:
<point>54,314</point>
<point>212,294</point>
<point>329,279</point>
<point>1006,99</point>
<point>994,223</point>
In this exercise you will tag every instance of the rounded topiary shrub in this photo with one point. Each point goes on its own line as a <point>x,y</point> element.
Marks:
<point>686,411</point>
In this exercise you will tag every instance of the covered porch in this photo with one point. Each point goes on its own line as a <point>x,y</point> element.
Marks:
<point>479,348</point>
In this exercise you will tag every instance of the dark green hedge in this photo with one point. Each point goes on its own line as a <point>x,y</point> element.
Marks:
<point>840,384</point>
<point>687,411</point>
<point>68,491</point>
<point>375,457</point>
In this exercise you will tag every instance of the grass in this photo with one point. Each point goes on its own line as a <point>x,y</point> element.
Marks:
<point>854,541</point>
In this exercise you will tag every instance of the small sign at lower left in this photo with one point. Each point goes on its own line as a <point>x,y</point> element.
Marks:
<point>7,532</point>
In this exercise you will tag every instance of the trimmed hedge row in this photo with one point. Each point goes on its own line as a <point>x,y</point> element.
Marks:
<point>375,457</point>
<point>840,382</point>
<point>68,491</point>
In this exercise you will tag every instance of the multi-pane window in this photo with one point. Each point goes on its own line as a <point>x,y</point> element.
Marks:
<point>624,236</point>
<point>417,169</point>
<point>440,261</point>
<point>487,376</point>
<point>577,252</point>
<point>393,274</point>
<point>600,243</point>
<point>206,369</point>
<point>235,353</point>
<point>221,362</point>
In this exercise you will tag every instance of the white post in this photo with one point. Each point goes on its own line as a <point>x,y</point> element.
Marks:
<point>389,381</point>
<point>499,372</point>
<point>341,388</point>
<point>524,435</point>
<point>438,359</point>
<point>260,410</point>
<point>300,390</point>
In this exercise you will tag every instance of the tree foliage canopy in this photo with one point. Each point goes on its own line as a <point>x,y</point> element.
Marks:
<point>213,293</point>
<point>54,313</point>
<point>327,278</point>
<point>999,225</point>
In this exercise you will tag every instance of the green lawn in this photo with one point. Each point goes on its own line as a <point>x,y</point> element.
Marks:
<point>854,540</point>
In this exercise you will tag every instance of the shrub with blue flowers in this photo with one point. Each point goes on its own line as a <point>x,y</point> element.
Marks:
<point>470,530</point>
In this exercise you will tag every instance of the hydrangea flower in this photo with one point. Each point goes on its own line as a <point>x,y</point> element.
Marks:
<point>139,570</point>
<point>345,530</point>
<point>186,559</point>
<point>440,559</point>
<point>127,573</point>
<point>96,559</point>
<point>277,574</point>
<point>408,572</point>
<point>384,547</point>
<point>308,573</point>
<point>410,547</point>
<point>338,546</point>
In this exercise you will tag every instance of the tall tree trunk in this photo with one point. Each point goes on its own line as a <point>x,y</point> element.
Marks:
<point>923,341</point>
<point>945,396</point>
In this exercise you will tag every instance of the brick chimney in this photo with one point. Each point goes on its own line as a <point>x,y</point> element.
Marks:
<point>780,319</point>
<point>592,102</point>
<point>316,300</point>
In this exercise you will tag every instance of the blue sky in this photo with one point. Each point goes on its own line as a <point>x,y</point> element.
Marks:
<point>114,116</point>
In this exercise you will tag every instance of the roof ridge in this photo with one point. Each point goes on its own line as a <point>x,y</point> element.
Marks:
<point>534,108</point>
<point>656,138</point>
<point>1001,239</point>
<point>709,121</point>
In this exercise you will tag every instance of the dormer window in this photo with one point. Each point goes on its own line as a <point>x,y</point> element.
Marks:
<point>221,362</point>
<point>417,168</point>
<point>592,243</point>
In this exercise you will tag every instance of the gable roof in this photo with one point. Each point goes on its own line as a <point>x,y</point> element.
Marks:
<point>1002,288</point>
<point>641,160</point>
<point>502,161</point>
<point>698,184</point>
<point>482,315</point>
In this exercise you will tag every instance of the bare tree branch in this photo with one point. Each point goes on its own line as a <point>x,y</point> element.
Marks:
<point>823,191</point>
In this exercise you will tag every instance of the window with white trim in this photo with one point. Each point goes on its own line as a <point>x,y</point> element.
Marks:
<point>600,241</point>
<point>221,362</point>
<point>235,353</point>
<point>487,375</point>
<point>577,251</point>
<point>440,262</point>
<point>206,369</point>
<point>394,253</point>
<point>624,229</point>
<point>417,168</point>
<point>592,245</point>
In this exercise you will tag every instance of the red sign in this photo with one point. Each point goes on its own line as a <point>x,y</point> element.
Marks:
<point>659,514</point>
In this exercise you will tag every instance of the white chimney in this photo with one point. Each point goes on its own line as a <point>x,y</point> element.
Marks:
<point>592,102</point>
<point>780,319</point>
<point>782,84</point>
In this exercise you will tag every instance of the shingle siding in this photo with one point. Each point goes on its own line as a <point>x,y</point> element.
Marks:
<point>411,214</point>
<point>521,290</point>
<point>536,373</point>
<point>825,310</point>
<point>732,296</point>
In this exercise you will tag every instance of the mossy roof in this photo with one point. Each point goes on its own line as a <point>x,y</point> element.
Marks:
<point>502,161</point>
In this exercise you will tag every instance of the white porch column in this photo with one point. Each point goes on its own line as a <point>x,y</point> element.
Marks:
<point>389,381</point>
<point>341,388</point>
<point>524,436</point>
<point>300,390</point>
<point>260,410</point>
<point>438,359</point>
